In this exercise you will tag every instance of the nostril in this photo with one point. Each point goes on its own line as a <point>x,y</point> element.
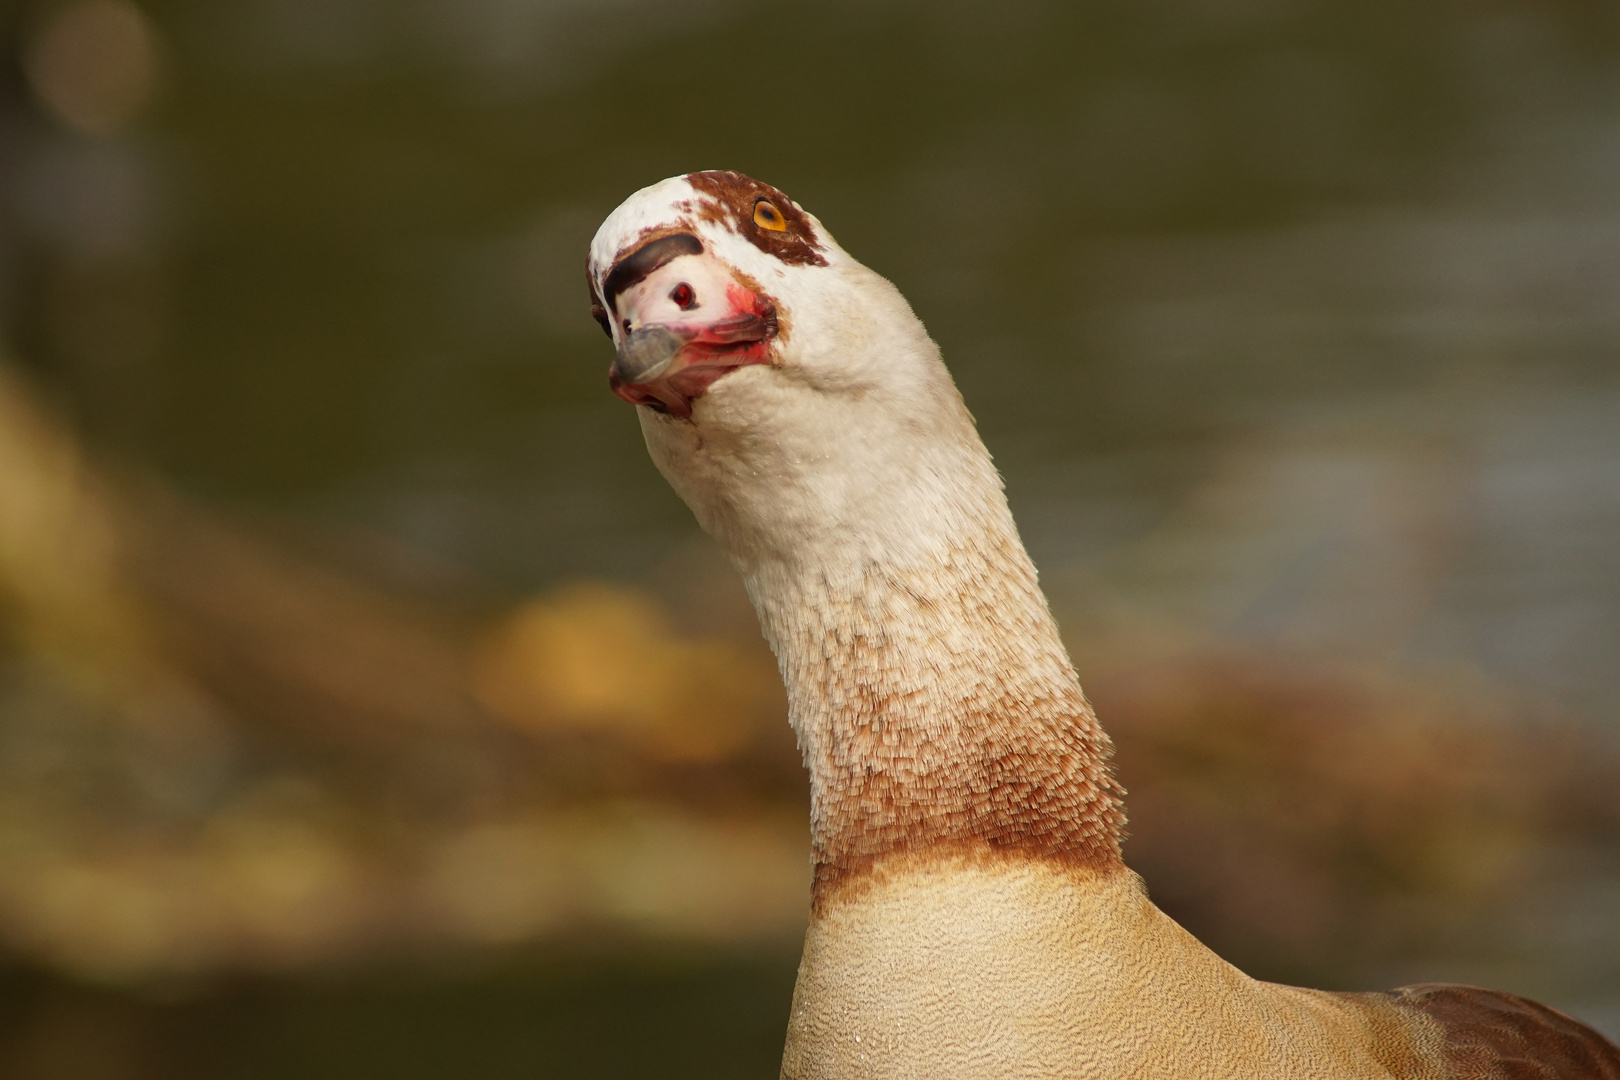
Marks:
<point>684,296</point>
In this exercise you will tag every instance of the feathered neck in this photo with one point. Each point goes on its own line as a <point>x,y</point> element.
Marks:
<point>934,702</point>
<point>935,705</point>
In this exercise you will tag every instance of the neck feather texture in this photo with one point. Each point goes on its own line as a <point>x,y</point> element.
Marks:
<point>935,704</point>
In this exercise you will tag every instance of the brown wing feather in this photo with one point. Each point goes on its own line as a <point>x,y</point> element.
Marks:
<point>1490,1035</point>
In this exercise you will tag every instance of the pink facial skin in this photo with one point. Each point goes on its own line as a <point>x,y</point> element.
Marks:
<point>737,332</point>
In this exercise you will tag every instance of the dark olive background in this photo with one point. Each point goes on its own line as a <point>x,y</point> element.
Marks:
<point>334,274</point>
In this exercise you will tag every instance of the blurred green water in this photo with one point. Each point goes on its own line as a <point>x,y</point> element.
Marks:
<point>358,228</point>
<point>335,273</point>
<point>676,1016</point>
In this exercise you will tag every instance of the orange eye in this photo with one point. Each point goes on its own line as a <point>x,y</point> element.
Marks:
<point>767,216</point>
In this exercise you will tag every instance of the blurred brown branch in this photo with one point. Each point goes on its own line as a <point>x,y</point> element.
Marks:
<point>222,752</point>
<point>219,752</point>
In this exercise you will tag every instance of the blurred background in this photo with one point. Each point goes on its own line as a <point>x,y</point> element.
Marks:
<point>1292,324</point>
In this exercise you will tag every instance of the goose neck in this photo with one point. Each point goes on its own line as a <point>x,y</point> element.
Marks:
<point>936,707</point>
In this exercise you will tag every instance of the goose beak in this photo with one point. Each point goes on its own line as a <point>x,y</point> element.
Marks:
<point>647,354</point>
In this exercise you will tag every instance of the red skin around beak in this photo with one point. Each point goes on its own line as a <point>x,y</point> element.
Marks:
<point>700,352</point>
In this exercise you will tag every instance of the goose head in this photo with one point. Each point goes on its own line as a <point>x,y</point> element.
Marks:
<point>788,393</point>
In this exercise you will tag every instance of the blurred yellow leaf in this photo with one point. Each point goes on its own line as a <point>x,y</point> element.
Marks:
<point>603,657</point>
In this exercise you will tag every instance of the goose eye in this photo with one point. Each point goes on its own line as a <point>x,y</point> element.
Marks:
<point>767,216</point>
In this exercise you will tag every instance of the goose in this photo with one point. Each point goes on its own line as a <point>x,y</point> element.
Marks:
<point>971,915</point>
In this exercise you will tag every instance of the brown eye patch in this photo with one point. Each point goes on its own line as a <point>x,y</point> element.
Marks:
<point>734,200</point>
